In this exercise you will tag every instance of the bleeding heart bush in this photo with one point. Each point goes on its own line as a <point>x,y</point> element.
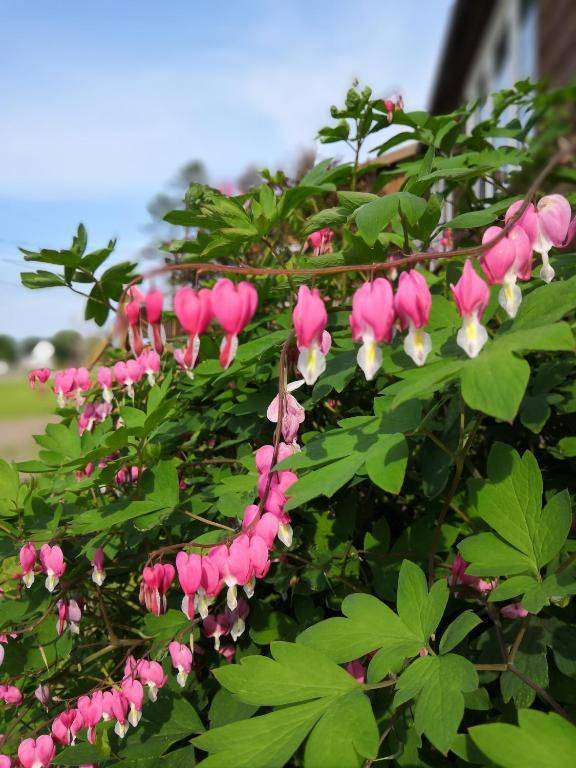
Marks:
<point>251,542</point>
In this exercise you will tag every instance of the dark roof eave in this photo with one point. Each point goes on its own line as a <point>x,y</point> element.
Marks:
<point>468,23</point>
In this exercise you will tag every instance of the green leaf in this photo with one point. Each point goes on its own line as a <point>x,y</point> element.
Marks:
<point>345,734</point>
<point>538,740</point>
<point>226,708</point>
<point>325,481</point>
<point>266,741</point>
<point>549,301</point>
<point>374,216</point>
<point>490,556</point>
<point>421,612</point>
<point>495,383</point>
<point>472,219</point>
<point>458,630</point>
<point>367,624</point>
<point>295,673</point>
<point>386,462</point>
<point>437,683</point>
<point>554,527</point>
<point>512,587</point>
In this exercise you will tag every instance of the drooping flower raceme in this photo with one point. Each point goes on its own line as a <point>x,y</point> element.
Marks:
<point>509,260</point>
<point>313,340</point>
<point>372,320</point>
<point>153,303</point>
<point>234,306</point>
<point>413,302</point>
<point>194,313</point>
<point>472,296</point>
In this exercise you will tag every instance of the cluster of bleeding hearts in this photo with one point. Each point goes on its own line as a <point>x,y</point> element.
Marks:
<point>237,563</point>
<point>376,311</point>
<point>123,704</point>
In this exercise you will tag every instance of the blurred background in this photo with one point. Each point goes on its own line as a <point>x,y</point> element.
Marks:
<point>110,110</point>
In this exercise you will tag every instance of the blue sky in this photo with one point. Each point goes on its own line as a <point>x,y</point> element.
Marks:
<point>102,102</point>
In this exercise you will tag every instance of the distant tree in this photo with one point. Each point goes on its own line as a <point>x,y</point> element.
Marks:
<point>68,347</point>
<point>28,344</point>
<point>8,349</point>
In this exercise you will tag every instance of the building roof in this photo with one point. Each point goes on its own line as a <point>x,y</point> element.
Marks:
<point>468,23</point>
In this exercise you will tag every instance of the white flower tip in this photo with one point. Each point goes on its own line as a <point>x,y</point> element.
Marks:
<point>472,336</point>
<point>369,358</point>
<point>285,534</point>
<point>418,345</point>
<point>231,598</point>
<point>120,729</point>
<point>51,582</point>
<point>28,579</point>
<point>547,273</point>
<point>510,298</point>
<point>311,364</point>
<point>181,678</point>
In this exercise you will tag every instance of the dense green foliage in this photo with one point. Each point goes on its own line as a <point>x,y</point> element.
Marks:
<point>396,476</point>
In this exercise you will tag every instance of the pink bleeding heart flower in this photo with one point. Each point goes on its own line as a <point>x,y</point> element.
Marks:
<point>66,726</point>
<point>210,579</point>
<point>153,303</point>
<point>267,528</point>
<point>216,626</point>
<point>181,656</point>
<point>98,572</point>
<point>554,216</point>
<point>528,220</point>
<point>372,320</point>
<point>472,296</point>
<point>53,565</point>
<point>233,306</point>
<point>458,576</point>
<point>259,559</point>
<point>27,557</point>
<point>293,414</point>
<point>82,380</point>
<point>238,570</point>
<point>505,263</point>
<point>513,611</point>
<point>155,584</point>
<point>91,710</point>
<point>11,695</point>
<point>413,302</point>
<point>38,374</point>
<point>149,363</point>
<point>64,384</point>
<point>356,669</point>
<point>152,675</point>
<point>194,312</point>
<point>93,414</point>
<point>189,569</point>
<point>5,761</point>
<point>115,707</point>
<point>36,753</point>
<point>105,381</point>
<point>132,313</point>
<point>134,694</point>
<point>321,241</point>
<point>127,374</point>
<point>310,318</point>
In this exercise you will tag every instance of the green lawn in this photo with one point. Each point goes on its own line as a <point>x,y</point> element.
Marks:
<point>19,401</point>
